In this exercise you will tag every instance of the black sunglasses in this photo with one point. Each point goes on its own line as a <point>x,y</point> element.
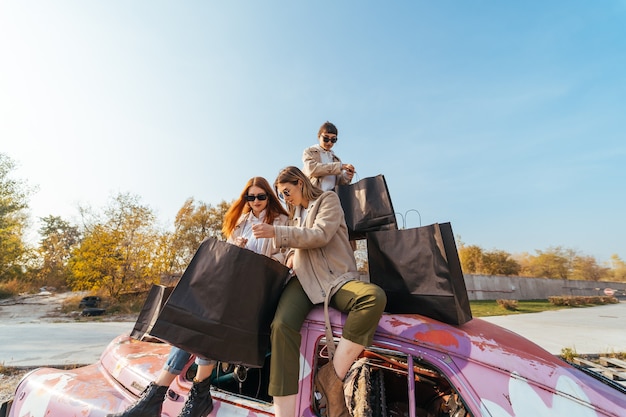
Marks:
<point>251,197</point>
<point>285,192</point>
<point>327,139</point>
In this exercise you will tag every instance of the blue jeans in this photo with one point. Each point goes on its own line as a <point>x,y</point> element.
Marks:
<point>176,361</point>
<point>178,358</point>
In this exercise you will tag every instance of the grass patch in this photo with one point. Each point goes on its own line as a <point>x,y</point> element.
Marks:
<point>491,307</point>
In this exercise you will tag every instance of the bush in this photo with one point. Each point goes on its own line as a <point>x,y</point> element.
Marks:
<point>10,289</point>
<point>510,305</point>
<point>568,354</point>
<point>573,301</point>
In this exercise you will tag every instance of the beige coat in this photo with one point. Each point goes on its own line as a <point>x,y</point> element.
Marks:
<point>269,249</point>
<point>315,169</point>
<point>323,259</point>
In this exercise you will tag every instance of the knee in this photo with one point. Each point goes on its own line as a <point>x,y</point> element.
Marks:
<point>374,298</point>
<point>380,298</point>
<point>279,328</point>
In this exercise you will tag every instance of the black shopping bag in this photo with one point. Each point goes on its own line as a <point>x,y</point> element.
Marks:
<point>367,206</point>
<point>157,296</point>
<point>420,271</point>
<point>223,305</point>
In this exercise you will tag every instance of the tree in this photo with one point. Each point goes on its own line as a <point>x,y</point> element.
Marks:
<point>499,262</point>
<point>58,239</point>
<point>118,253</point>
<point>555,262</point>
<point>13,222</point>
<point>618,268</point>
<point>474,260</point>
<point>586,268</point>
<point>471,258</point>
<point>192,225</point>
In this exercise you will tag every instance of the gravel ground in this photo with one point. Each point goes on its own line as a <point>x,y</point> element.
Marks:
<point>37,308</point>
<point>9,378</point>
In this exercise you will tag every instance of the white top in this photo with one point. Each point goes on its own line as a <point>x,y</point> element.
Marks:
<point>254,244</point>
<point>328,181</point>
<point>301,213</point>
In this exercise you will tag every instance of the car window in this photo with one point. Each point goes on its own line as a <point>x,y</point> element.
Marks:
<point>386,383</point>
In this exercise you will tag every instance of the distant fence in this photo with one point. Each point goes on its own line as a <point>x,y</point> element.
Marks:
<point>493,287</point>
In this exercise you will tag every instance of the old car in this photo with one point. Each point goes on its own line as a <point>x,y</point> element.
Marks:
<point>89,301</point>
<point>417,367</point>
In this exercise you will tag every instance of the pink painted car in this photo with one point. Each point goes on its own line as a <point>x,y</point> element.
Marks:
<point>417,367</point>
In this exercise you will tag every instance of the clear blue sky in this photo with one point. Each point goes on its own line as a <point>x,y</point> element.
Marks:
<point>506,119</point>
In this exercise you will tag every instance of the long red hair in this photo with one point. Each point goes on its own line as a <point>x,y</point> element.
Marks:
<point>273,210</point>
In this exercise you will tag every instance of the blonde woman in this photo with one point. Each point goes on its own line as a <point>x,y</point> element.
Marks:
<point>325,271</point>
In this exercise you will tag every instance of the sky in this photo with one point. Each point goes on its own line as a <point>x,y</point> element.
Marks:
<point>506,119</point>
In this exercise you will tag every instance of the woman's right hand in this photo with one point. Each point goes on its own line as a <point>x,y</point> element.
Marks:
<point>241,241</point>
<point>349,170</point>
<point>263,230</point>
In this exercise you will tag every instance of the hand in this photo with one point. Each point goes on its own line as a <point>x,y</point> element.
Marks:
<point>241,241</point>
<point>349,168</point>
<point>263,230</point>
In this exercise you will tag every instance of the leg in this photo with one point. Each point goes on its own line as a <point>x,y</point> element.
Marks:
<point>151,401</point>
<point>285,406</point>
<point>293,307</point>
<point>199,403</point>
<point>345,355</point>
<point>364,303</point>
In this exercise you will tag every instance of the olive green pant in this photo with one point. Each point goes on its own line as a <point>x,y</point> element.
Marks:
<point>364,302</point>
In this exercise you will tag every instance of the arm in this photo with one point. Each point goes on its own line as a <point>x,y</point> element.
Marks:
<point>326,220</point>
<point>312,167</point>
<point>279,254</point>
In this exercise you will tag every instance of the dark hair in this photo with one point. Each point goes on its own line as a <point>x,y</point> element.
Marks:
<point>293,175</point>
<point>274,207</point>
<point>327,127</point>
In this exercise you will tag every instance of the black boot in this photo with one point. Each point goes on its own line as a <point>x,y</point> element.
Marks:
<point>149,404</point>
<point>199,402</point>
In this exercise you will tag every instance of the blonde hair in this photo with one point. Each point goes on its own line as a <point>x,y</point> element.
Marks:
<point>293,175</point>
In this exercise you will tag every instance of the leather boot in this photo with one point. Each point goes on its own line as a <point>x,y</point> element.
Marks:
<point>331,387</point>
<point>149,404</point>
<point>199,402</point>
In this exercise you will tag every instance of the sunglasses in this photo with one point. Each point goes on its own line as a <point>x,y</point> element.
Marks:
<point>283,194</point>
<point>327,139</point>
<point>260,197</point>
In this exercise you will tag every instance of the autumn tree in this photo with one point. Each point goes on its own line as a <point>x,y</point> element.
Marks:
<point>118,253</point>
<point>193,223</point>
<point>586,268</point>
<point>551,263</point>
<point>618,268</point>
<point>499,262</point>
<point>55,246</point>
<point>471,258</point>
<point>13,222</point>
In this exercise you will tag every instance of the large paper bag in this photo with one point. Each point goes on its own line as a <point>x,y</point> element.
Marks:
<point>223,305</point>
<point>420,271</point>
<point>367,206</point>
<point>157,296</point>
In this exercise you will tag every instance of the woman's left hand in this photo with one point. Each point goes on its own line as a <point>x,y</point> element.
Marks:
<point>262,230</point>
